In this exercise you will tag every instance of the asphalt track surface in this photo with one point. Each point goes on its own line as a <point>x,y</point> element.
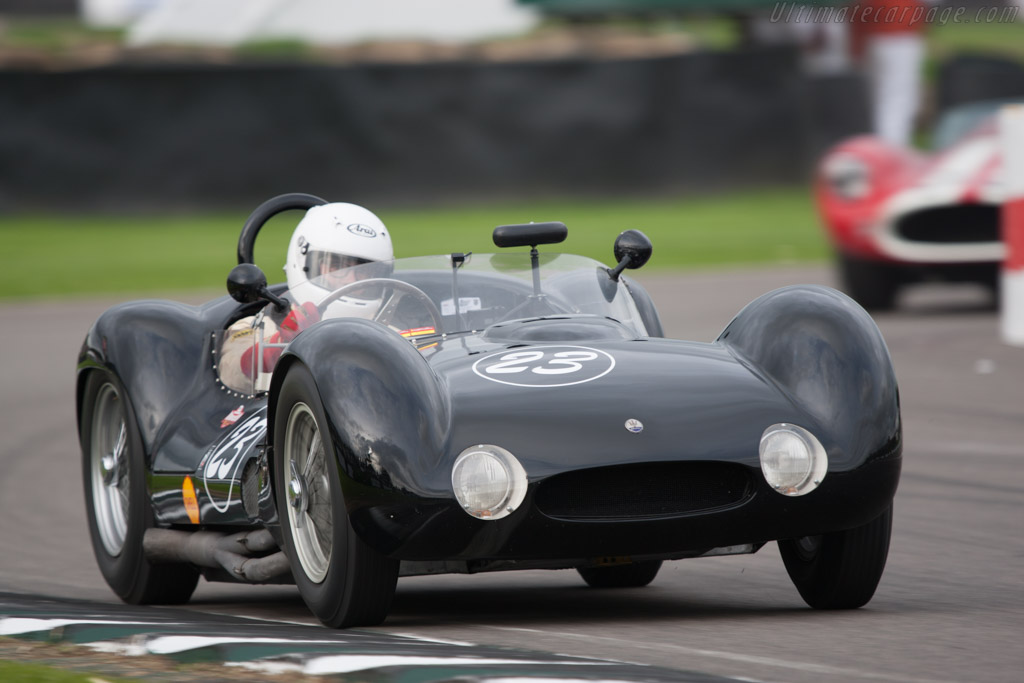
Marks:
<point>950,606</point>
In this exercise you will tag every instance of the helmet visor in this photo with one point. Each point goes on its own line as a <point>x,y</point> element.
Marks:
<point>320,263</point>
<point>364,269</point>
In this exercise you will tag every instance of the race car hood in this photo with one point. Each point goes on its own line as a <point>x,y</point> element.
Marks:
<point>969,171</point>
<point>950,212</point>
<point>561,406</point>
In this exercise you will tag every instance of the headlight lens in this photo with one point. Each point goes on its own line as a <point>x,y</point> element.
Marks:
<point>848,176</point>
<point>792,459</point>
<point>488,481</point>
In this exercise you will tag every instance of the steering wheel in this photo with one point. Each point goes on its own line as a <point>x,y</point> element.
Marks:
<point>394,292</point>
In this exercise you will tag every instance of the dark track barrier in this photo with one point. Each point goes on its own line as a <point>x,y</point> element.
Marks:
<point>188,136</point>
<point>969,78</point>
<point>37,8</point>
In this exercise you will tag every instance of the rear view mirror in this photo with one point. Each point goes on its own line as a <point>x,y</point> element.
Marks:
<point>632,250</point>
<point>247,284</point>
<point>530,234</point>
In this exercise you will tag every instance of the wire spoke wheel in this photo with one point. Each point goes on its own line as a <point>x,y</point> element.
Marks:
<point>109,470</point>
<point>117,503</point>
<point>310,513</point>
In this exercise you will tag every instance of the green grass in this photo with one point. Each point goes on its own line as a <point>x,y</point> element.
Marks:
<point>708,29</point>
<point>50,255</point>
<point>53,34</point>
<point>284,50</point>
<point>20,672</point>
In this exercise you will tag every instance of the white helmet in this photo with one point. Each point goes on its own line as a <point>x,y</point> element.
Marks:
<point>329,237</point>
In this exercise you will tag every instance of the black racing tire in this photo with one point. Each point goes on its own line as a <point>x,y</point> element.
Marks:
<point>358,583</point>
<point>872,284</point>
<point>839,570</point>
<point>995,287</point>
<point>117,534</point>
<point>634,575</point>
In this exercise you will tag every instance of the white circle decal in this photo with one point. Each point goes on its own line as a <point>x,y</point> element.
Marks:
<point>545,366</point>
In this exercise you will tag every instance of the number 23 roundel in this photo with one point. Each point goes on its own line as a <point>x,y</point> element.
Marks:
<point>545,366</point>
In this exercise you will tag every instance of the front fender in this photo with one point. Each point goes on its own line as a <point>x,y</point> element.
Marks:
<point>823,350</point>
<point>389,414</point>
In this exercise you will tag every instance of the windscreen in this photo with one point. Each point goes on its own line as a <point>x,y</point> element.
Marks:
<point>960,121</point>
<point>430,295</point>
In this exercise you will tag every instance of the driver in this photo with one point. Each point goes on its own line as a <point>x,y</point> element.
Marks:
<point>328,241</point>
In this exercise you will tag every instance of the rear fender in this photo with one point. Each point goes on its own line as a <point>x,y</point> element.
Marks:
<point>155,349</point>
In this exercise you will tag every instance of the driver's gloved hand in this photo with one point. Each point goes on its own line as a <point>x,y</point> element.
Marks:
<point>297,320</point>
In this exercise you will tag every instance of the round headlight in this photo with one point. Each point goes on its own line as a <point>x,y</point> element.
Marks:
<point>848,176</point>
<point>792,459</point>
<point>488,481</point>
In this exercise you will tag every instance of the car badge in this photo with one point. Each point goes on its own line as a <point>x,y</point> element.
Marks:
<point>232,417</point>
<point>635,426</point>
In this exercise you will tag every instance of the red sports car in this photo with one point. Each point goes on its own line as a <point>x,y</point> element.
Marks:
<point>898,216</point>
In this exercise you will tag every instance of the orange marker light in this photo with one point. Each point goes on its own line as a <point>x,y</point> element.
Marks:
<point>188,495</point>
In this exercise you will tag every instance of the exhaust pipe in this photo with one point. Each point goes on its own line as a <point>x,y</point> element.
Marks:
<point>235,553</point>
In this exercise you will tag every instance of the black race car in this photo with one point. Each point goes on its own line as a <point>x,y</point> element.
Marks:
<point>501,411</point>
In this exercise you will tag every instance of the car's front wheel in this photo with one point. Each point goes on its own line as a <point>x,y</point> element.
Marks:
<point>342,580</point>
<point>633,575</point>
<point>839,570</point>
<point>872,284</point>
<point>117,505</point>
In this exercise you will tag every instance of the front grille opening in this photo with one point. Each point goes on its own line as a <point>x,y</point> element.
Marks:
<point>644,490</point>
<point>951,224</point>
